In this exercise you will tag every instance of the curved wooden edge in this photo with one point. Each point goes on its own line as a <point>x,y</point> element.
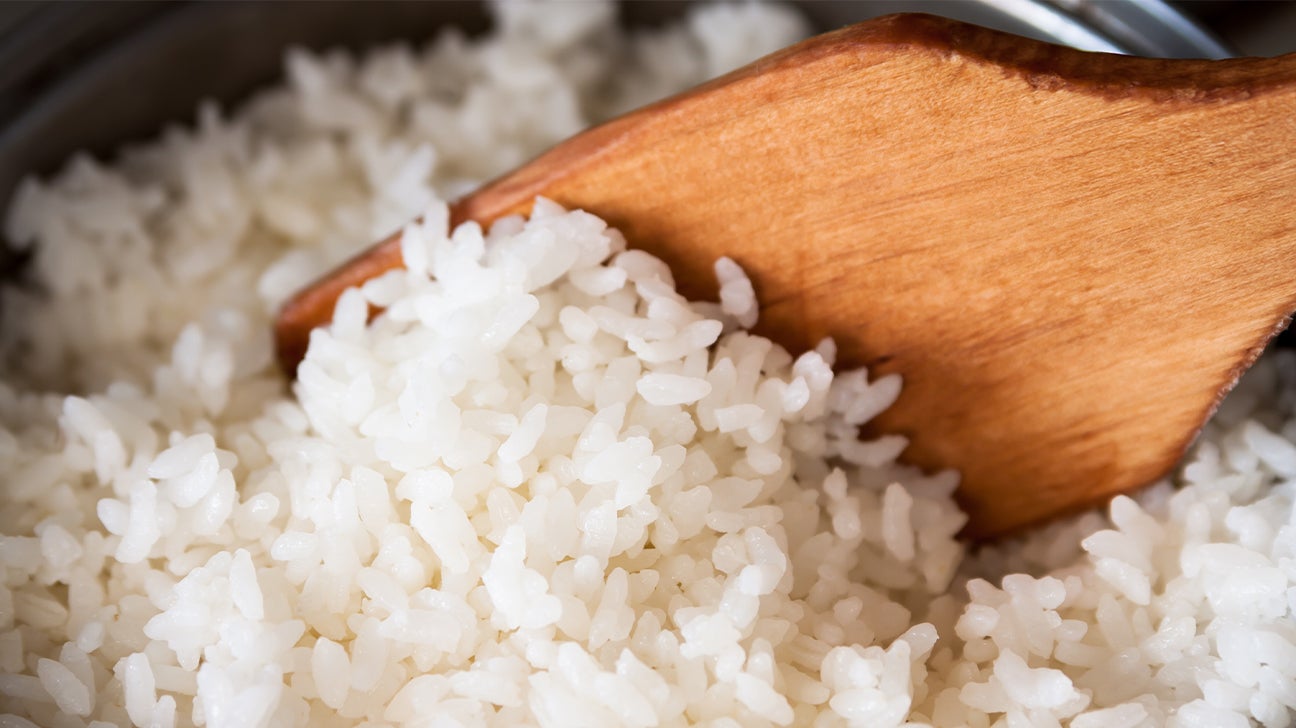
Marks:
<point>312,306</point>
<point>979,530</point>
<point>1054,67</point>
<point>1042,65</point>
<point>1282,319</point>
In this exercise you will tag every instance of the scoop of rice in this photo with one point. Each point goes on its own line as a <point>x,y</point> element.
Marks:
<point>542,488</point>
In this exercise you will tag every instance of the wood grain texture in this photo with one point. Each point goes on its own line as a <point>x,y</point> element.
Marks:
<point>1070,257</point>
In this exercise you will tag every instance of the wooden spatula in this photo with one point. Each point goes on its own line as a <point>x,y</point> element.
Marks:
<point>1070,257</point>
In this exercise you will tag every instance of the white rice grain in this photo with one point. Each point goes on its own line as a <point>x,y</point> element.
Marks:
<point>672,389</point>
<point>737,297</point>
<point>331,669</point>
<point>71,695</point>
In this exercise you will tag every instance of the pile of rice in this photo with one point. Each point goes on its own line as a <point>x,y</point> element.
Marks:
<point>542,488</point>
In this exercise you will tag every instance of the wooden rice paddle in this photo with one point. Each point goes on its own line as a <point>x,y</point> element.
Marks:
<point>1069,256</point>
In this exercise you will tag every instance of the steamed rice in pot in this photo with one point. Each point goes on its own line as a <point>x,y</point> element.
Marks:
<point>542,488</point>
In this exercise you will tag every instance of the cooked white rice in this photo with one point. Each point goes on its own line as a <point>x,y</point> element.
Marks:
<point>542,488</point>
